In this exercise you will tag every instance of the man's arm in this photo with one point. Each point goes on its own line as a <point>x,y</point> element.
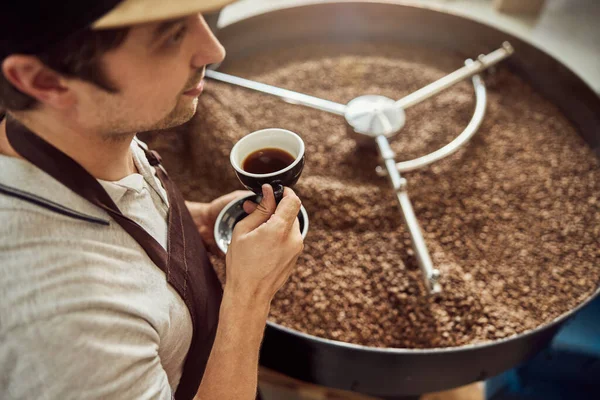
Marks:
<point>232,368</point>
<point>262,254</point>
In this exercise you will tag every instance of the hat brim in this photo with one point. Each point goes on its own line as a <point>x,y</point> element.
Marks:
<point>133,12</point>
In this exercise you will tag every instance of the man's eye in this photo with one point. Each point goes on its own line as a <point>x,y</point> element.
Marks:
<point>177,36</point>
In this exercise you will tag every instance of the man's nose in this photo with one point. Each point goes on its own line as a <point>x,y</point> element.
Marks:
<point>209,50</point>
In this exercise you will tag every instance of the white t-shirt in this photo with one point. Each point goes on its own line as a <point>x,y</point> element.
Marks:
<point>84,312</point>
<point>142,198</point>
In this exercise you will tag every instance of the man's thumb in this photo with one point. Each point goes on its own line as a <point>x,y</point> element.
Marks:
<point>261,214</point>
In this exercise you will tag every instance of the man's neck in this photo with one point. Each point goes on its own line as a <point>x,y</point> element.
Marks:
<point>105,159</point>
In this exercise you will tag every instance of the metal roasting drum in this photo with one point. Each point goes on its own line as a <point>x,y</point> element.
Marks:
<point>397,373</point>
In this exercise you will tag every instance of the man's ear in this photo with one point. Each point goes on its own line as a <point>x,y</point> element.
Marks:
<point>32,77</point>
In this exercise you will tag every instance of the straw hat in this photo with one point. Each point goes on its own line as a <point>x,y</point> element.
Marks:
<point>130,12</point>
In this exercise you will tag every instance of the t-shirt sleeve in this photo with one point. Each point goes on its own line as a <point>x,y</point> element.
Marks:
<point>87,354</point>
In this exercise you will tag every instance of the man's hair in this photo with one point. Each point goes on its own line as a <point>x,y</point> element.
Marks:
<point>78,56</point>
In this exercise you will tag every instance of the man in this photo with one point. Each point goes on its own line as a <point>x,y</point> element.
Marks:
<point>106,291</point>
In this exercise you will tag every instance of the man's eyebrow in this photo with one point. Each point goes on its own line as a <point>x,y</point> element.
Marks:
<point>165,27</point>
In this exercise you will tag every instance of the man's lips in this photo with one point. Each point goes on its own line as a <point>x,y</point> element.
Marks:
<point>196,90</point>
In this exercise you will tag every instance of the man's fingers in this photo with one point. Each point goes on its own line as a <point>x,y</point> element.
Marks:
<point>249,206</point>
<point>261,213</point>
<point>288,208</point>
<point>296,230</point>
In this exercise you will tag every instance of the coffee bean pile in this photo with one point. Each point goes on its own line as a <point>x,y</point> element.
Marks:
<point>512,221</point>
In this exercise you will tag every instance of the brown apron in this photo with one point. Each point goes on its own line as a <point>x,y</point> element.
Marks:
<point>186,263</point>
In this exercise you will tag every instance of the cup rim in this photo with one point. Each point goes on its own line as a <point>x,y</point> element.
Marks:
<point>271,174</point>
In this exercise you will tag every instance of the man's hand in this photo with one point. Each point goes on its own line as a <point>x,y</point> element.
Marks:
<point>205,216</point>
<point>264,247</point>
<point>263,251</point>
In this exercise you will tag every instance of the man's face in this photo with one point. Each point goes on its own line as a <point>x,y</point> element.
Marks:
<point>158,72</point>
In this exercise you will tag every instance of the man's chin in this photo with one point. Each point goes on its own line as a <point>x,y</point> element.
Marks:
<point>180,115</point>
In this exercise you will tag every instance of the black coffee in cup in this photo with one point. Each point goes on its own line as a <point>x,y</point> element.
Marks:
<point>266,161</point>
<point>274,156</point>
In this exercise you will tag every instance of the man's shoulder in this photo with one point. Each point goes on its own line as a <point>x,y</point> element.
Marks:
<point>27,190</point>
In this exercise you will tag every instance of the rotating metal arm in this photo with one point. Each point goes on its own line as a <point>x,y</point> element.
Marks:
<point>392,169</point>
<point>459,141</point>
<point>284,94</point>
<point>482,63</point>
<point>430,274</point>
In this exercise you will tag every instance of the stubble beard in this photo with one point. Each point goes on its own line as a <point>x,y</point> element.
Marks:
<point>181,114</point>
